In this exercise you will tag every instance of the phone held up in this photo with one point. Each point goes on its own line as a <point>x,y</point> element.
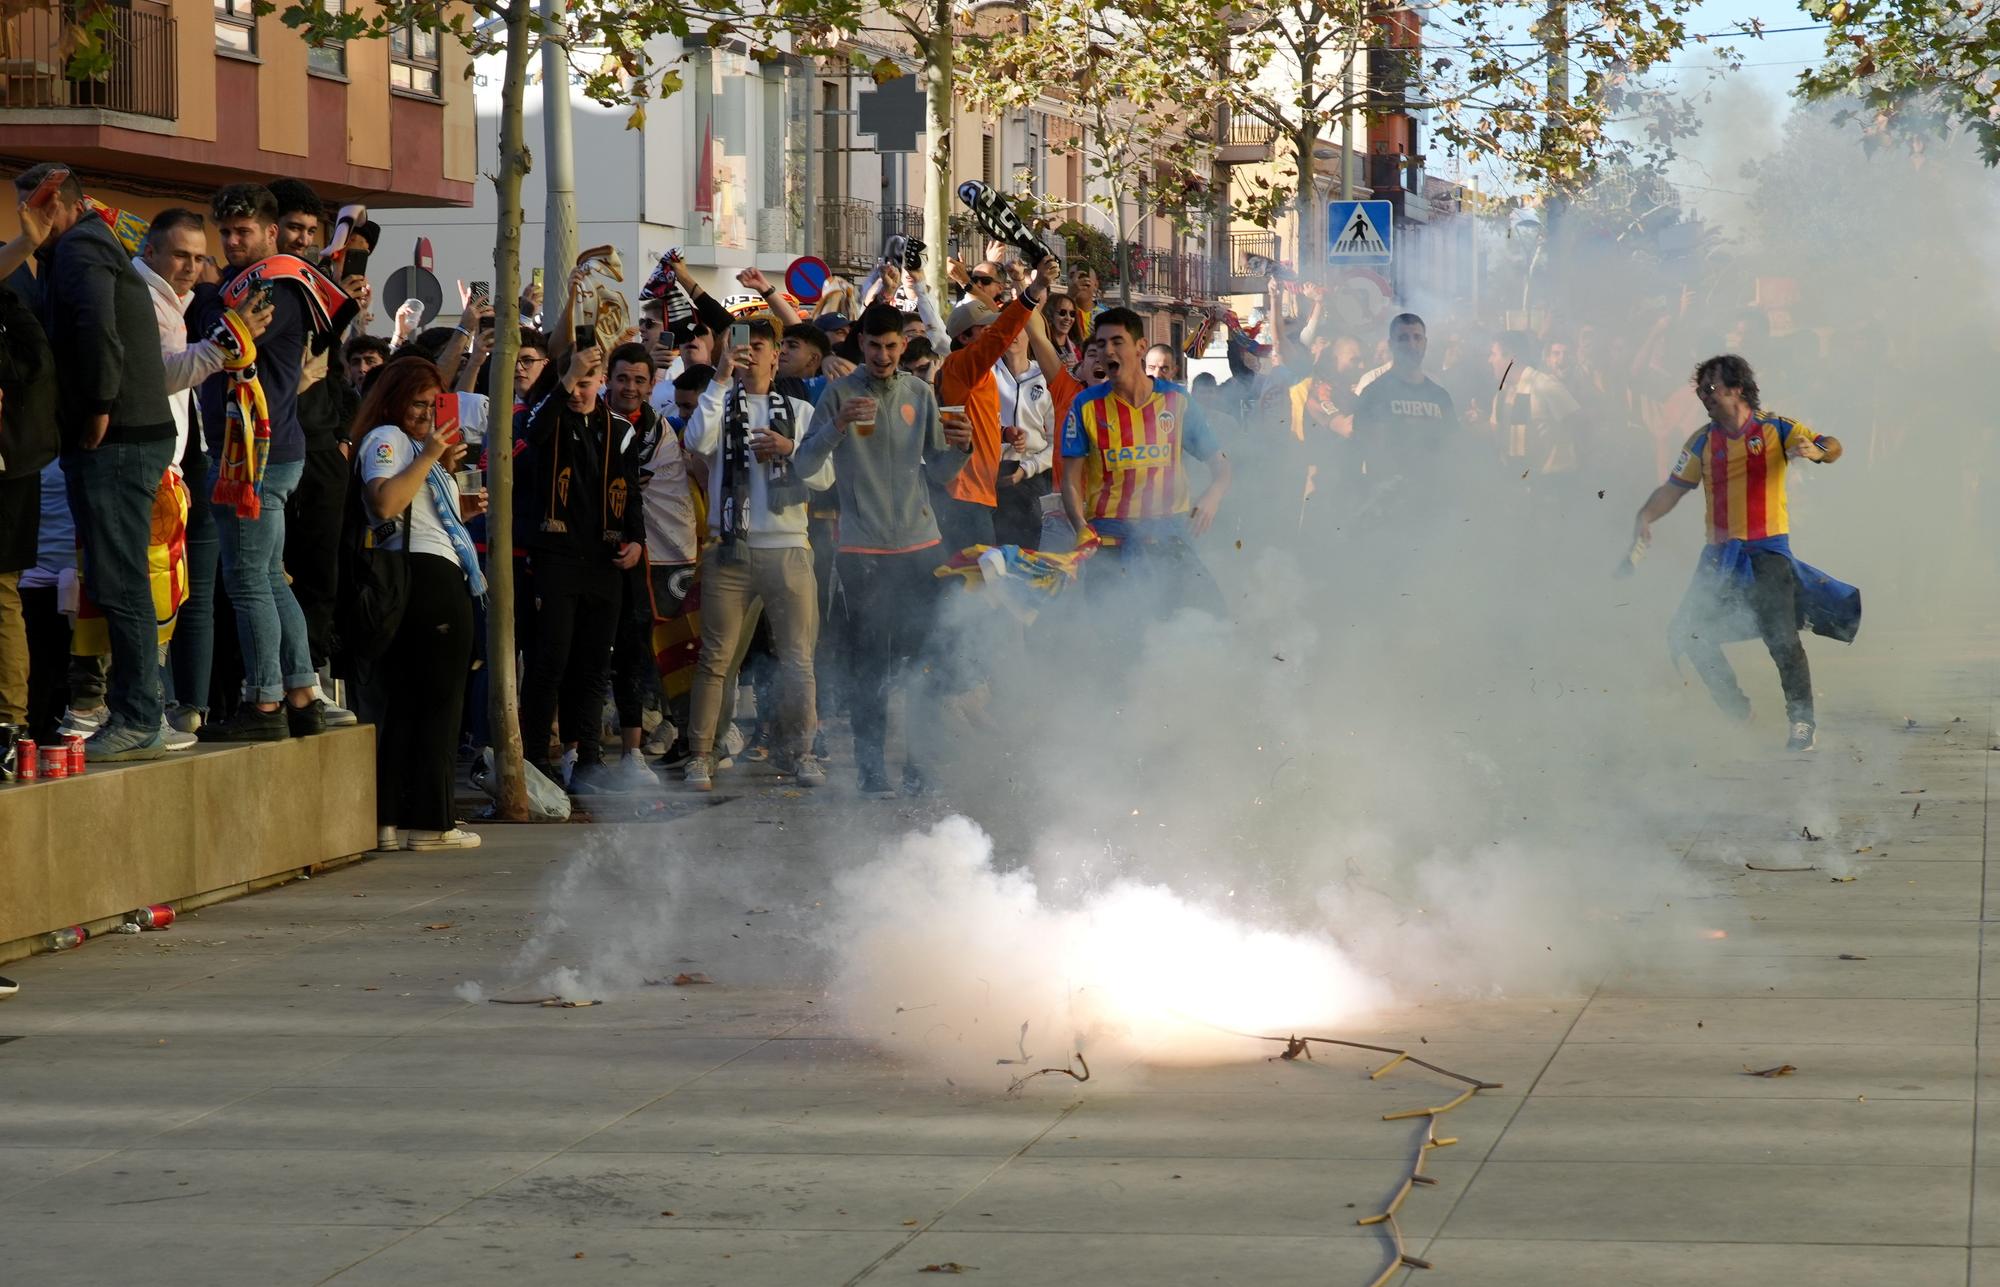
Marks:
<point>45,191</point>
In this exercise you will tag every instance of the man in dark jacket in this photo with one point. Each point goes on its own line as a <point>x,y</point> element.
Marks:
<point>117,441</point>
<point>27,443</point>
<point>584,528</point>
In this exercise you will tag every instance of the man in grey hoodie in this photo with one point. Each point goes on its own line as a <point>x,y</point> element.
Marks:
<point>881,427</point>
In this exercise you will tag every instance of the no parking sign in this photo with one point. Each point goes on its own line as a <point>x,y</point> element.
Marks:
<point>806,278</point>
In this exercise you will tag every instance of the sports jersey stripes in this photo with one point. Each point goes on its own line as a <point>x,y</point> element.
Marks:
<point>1742,473</point>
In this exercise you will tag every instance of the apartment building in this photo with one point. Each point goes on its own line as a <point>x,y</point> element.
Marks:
<point>199,93</point>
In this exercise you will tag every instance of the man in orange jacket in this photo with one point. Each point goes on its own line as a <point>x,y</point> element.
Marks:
<point>979,336</point>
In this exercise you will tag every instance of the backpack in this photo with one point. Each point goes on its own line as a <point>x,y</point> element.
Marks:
<point>374,584</point>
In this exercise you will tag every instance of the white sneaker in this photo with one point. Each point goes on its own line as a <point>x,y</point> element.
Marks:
<point>456,838</point>
<point>86,723</point>
<point>335,715</point>
<point>632,768</point>
<point>388,839</point>
<point>175,740</point>
<point>731,746</point>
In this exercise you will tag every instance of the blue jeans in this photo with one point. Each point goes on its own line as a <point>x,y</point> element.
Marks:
<point>111,494</point>
<point>269,625</point>
<point>192,652</point>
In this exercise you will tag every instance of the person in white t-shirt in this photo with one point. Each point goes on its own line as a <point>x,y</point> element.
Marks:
<point>415,691</point>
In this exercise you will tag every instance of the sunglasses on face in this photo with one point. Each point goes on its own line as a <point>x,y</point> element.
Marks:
<point>980,279</point>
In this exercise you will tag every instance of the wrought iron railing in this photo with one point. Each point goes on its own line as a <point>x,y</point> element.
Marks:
<point>849,237</point>
<point>137,73</point>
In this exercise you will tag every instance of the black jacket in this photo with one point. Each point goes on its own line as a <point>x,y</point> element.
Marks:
<point>28,437</point>
<point>99,316</point>
<point>580,482</point>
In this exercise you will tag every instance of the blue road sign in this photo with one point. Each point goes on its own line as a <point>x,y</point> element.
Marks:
<point>1359,234</point>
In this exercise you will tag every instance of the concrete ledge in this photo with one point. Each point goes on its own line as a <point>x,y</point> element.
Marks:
<point>189,829</point>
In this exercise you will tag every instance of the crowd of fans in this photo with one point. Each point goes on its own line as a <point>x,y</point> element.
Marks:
<point>221,491</point>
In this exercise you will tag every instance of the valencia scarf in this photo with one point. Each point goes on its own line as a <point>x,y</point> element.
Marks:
<point>246,430</point>
<point>781,485</point>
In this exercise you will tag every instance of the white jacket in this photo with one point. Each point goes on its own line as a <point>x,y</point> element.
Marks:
<point>187,364</point>
<point>1025,404</point>
<point>766,529</point>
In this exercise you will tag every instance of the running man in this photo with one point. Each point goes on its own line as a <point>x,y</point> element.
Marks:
<point>1747,584</point>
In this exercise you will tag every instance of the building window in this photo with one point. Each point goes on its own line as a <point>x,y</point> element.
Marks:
<point>413,60</point>
<point>235,26</point>
<point>986,159</point>
<point>329,58</point>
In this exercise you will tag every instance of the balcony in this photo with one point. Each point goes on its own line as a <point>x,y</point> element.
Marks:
<point>848,238</point>
<point>1248,141</point>
<point>1169,276</point>
<point>36,63</point>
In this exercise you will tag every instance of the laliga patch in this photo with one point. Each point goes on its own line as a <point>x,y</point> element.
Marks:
<point>385,453</point>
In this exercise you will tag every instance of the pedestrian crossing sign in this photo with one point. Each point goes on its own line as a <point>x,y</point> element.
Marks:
<point>1359,233</point>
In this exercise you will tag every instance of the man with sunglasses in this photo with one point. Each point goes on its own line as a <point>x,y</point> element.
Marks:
<point>1748,584</point>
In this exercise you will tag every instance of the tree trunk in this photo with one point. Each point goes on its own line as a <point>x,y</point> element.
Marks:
<point>1309,255</point>
<point>938,178</point>
<point>504,707</point>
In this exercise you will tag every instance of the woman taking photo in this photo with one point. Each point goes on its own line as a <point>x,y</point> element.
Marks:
<point>415,691</point>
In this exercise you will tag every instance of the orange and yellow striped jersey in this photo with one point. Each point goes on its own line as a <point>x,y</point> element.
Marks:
<point>1130,454</point>
<point>1742,472</point>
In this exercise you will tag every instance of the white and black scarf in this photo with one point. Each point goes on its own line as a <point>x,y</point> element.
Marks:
<point>782,488</point>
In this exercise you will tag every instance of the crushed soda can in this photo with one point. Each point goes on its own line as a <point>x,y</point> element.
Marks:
<point>74,936</point>
<point>152,916</point>
<point>128,927</point>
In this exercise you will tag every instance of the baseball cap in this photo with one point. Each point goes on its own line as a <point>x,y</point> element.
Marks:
<point>831,322</point>
<point>970,312</point>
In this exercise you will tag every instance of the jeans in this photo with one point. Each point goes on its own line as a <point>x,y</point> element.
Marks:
<point>276,657</point>
<point>111,494</point>
<point>192,653</point>
<point>1772,598</point>
<point>892,599</point>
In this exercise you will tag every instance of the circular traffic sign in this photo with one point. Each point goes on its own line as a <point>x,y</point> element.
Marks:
<point>806,278</point>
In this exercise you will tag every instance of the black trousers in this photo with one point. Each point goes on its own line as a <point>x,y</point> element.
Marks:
<point>576,620</point>
<point>1772,598</point>
<point>416,692</point>
<point>961,523</point>
<point>891,600</point>
<point>312,542</point>
<point>1017,519</point>
<point>48,660</point>
<point>634,674</point>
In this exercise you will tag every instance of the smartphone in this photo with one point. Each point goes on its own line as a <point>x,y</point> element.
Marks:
<point>739,335</point>
<point>444,419</point>
<point>355,261</point>
<point>535,278</point>
<point>260,295</point>
<point>45,191</point>
<point>586,337</point>
<point>482,290</point>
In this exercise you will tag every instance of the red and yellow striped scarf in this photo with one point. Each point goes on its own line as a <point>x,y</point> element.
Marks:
<point>246,433</point>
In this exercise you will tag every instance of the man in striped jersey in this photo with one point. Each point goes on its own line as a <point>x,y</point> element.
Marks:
<point>1126,480</point>
<point>1739,459</point>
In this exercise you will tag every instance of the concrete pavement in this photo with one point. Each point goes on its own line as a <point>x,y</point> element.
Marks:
<point>292,1089</point>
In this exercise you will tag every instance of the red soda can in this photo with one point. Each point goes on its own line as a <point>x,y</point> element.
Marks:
<point>74,936</point>
<point>55,762</point>
<point>26,760</point>
<point>75,743</point>
<point>153,916</point>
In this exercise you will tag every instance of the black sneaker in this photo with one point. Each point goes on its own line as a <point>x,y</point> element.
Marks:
<point>875,782</point>
<point>593,779</point>
<point>304,721</point>
<point>1805,737</point>
<point>677,755</point>
<point>8,988</point>
<point>248,724</point>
